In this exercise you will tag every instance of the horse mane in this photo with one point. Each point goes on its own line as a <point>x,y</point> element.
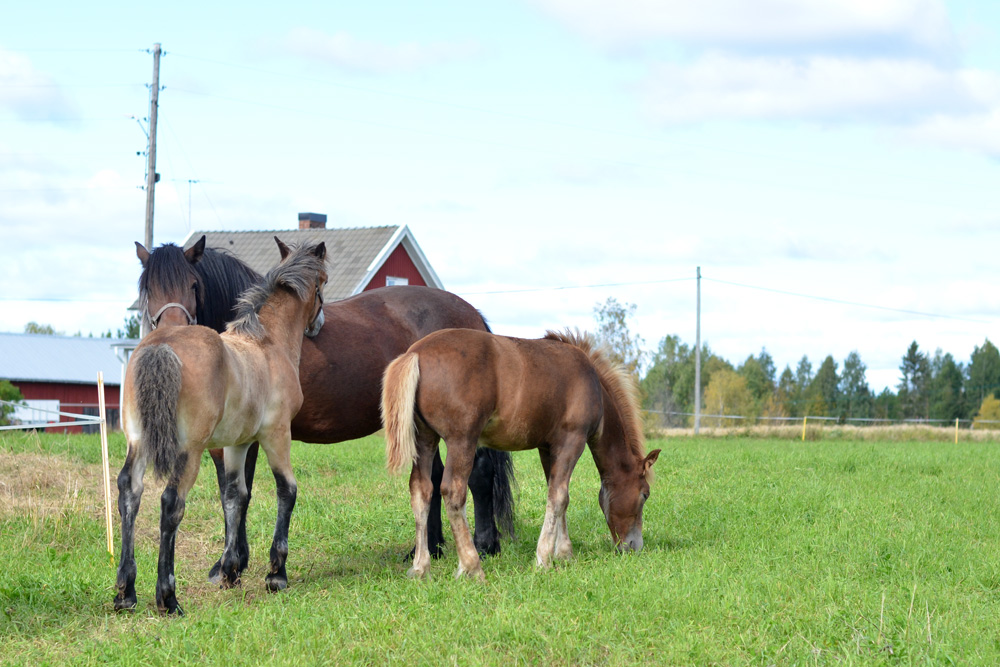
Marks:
<point>223,278</point>
<point>297,273</point>
<point>169,270</point>
<point>616,381</point>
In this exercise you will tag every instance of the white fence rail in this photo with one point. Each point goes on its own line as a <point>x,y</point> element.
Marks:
<point>76,418</point>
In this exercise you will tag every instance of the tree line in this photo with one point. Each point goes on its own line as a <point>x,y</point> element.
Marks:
<point>932,386</point>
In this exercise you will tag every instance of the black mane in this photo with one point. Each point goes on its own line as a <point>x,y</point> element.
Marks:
<point>226,277</point>
<point>221,278</point>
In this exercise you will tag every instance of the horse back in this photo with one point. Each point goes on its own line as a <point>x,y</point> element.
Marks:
<point>341,368</point>
<point>510,393</point>
<point>201,400</point>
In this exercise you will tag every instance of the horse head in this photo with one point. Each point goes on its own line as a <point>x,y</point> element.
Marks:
<point>316,317</point>
<point>170,290</point>
<point>622,497</point>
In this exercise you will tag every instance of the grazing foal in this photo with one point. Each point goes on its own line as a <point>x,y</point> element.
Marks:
<point>556,395</point>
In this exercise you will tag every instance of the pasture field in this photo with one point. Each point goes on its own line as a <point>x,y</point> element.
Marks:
<point>758,552</point>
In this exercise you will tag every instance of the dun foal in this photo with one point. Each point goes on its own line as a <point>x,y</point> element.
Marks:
<point>189,388</point>
<point>556,395</point>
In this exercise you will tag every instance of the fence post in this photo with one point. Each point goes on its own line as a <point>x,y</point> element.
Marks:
<point>804,418</point>
<point>106,468</point>
<point>956,430</point>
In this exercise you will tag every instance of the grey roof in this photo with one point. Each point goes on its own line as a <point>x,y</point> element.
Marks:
<point>72,359</point>
<point>353,254</point>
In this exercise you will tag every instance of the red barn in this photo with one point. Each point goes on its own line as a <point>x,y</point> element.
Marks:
<point>60,373</point>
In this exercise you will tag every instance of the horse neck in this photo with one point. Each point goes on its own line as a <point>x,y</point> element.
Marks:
<point>613,455</point>
<point>283,318</point>
<point>223,279</point>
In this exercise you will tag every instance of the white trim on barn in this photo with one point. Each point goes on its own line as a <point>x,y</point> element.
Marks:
<point>403,237</point>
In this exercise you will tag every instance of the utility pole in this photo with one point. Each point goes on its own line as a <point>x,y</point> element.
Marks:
<point>151,176</point>
<point>697,357</point>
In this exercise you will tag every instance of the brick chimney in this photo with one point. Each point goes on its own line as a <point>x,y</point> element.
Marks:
<point>312,220</point>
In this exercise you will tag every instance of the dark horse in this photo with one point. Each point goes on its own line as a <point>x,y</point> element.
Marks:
<point>189,388</point>
<point>557,395</point>
<point>341,369</point>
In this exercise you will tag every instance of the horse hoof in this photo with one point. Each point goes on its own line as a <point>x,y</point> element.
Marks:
<point>172,611</point>
<point>414,573</point>
<point>215,574</point>
<point>169,607</point>
<point>123,604</point>
<point>475,575</point>
<point>275,584</point>
<point>491,548</point>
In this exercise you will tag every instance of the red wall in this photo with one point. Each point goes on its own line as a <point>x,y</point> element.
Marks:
<point>399,265</point>
<point>73,398</point>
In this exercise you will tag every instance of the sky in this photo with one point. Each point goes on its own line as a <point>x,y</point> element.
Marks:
<point>830,165</point>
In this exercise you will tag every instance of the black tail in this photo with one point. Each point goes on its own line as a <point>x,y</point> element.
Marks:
<point>503,494</point>
<point>157,388</point>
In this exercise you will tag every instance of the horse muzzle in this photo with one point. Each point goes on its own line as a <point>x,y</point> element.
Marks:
<point>632,541</point>
<point>316,325</point>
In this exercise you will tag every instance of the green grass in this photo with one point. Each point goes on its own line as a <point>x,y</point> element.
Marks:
<point>758,552</point>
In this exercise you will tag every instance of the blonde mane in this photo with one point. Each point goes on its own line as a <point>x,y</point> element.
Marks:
<point>616,381</point>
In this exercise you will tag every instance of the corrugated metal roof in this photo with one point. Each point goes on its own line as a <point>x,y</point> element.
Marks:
<point>42,358</point>
<point>350,252</point>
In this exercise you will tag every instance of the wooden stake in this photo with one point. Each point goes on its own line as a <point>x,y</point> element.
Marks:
<point>105,460</point>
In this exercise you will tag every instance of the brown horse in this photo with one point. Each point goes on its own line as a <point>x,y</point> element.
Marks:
<point>555,394</point>
<point>189,388</point>
<point>341,368</point>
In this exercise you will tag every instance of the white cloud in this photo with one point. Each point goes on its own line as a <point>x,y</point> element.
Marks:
<point>365,57</point>
<point>30,94</point>
<point>720,86</point>
<point>978,133</point>
<point>920,24</point>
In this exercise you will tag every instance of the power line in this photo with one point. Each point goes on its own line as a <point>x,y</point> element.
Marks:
<point>569,287</point>
<point>849,303</point>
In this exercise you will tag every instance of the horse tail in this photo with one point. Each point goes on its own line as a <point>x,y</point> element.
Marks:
<point>399,397</point>
<point>503,495</point>
<point>486,324</point>
<point>157,389</point>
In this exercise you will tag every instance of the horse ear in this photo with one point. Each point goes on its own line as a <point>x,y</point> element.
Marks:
<point>320,250</point>
<point>282,248</point>
<point>648,462</point>
<point>141,253</point>
<point>194,253</point>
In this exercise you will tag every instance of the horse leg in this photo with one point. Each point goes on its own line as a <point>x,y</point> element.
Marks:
<point>215,573</point>
<point>422,490</point>
<point>234,502</point>
<point>435,529</point>
<point>278,450</point>
<point>171,512</point>
<point>129,494</point>
<point>487,537</point>
<point>250,467</point>
<point>243,545</point>
<point>454,490</point>
<point>553,540</point>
